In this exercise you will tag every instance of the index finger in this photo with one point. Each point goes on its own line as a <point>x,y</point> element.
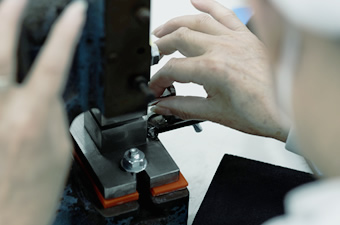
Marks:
<point>10,18</point>
<point>223,15</point>
<point>188,42</point>
<point>184,70</point>
<point>50,70</point>
<point>201,23</point>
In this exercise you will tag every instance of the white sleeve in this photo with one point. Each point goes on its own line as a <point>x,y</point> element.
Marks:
<point>291,143</point>
<point>316,203</point>
<point>292,146</point>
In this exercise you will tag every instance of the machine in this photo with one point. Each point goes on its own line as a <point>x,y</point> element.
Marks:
<point>122,173</point>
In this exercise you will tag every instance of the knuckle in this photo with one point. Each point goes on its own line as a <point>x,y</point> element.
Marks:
<point>202,19</point>
<point>212,64</point>
<point>184,115</point>
<point>182,32</point>
<point>173,22</point>
<point>239,26</point>
<point>229,13</point>
<point>172,62</point>
<point>170,66</point>
<point>179,111</point>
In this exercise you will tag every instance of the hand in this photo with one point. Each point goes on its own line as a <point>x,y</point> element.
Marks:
<point>35,148</point>
<point>228,61</point>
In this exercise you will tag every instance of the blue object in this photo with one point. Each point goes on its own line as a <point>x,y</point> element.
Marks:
<point>244,14</point>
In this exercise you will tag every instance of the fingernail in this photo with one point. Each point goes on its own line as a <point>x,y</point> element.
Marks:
<point>157,30</point>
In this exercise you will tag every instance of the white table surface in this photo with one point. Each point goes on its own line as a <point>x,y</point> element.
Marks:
<point>199,154</point>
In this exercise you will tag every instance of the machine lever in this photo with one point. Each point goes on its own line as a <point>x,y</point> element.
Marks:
<point>142,85</point>
<point>159,124</point>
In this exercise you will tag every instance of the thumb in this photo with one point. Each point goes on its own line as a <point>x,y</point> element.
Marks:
<point>187,107</point>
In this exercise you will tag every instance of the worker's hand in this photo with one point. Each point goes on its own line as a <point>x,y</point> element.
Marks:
<point>228,61</point>
<point>35,148</point>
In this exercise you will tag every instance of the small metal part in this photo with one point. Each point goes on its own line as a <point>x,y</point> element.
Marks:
<point>152,133</point>
<point>142,84</point>
<point>134,161</point>
<point>169,91</point>
<point>155,54</point>
<point>198,128</point>
<point>159,124</point>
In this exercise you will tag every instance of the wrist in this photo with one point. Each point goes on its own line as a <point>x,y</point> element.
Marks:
<point>281,135</point>
<point>279,129</point>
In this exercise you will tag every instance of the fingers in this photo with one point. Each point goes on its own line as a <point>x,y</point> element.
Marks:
<point>50,70</point>
<point>202,23</point>
<point>184,107</point>
<point>11,12</point>
<point>223,15</point>
<point>58,128</point>
<point>189,43</point>
<point>184,70</point>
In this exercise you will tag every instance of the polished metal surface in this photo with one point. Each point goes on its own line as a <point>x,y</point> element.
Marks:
<point>155,54</point>
<point>128,56</point>
<point>105,122</point>
<point>161,167</point>
<point>120,135</point>
<point>111,180</point>
<point>158,124</point>
<point>134,161</point>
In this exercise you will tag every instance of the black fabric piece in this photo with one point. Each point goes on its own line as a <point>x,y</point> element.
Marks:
<point>247,192</point>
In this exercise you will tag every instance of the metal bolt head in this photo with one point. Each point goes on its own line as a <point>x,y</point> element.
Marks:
<point>143,15</point>
<point>134,153</point>
<point>134,161</point>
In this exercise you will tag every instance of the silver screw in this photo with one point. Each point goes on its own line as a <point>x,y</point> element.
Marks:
<point>134,161</point>
<point>133,153</point>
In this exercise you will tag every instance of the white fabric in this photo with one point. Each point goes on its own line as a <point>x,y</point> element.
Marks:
<point>317,203</point>
<point>291,143</point>
<point>292,146</point>
<point>285,71</point>
<point>319,16</point>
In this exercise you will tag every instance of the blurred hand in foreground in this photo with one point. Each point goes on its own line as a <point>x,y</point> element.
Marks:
<point>35,148</point>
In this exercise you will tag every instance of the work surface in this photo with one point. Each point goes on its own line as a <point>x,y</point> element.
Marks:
<point>247,192</point>
<point>198,155</point>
